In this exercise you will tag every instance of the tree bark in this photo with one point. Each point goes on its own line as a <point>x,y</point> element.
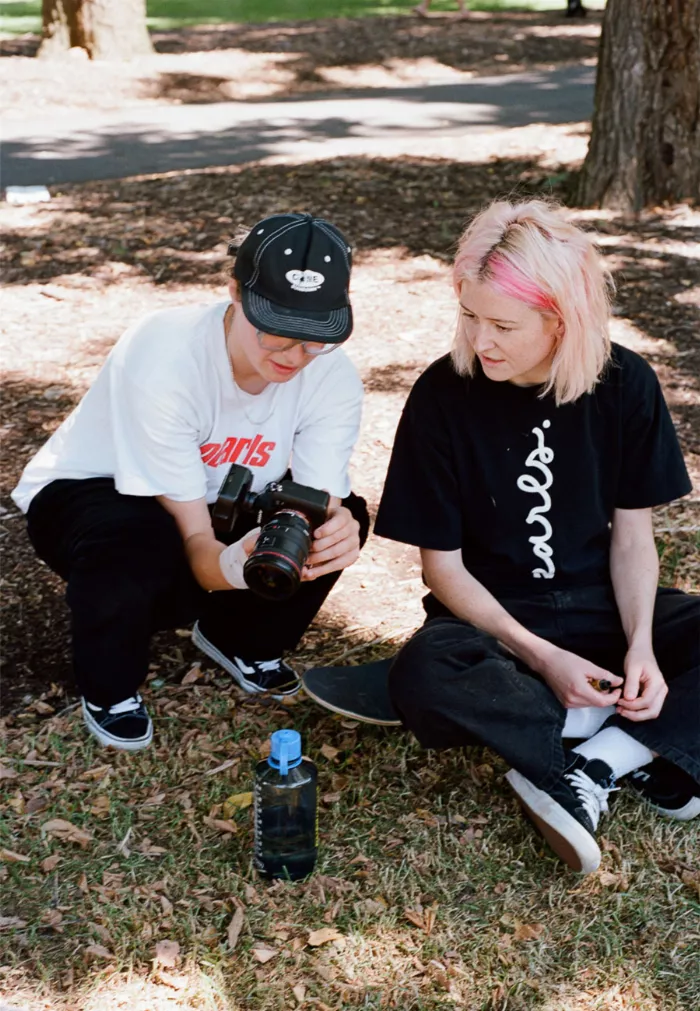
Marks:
<point>105,29</point>
<point>645,138</point>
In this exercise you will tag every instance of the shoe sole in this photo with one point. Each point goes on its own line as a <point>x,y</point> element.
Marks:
<point>223,661</point>
<point>348,712</point>
<point>569,840</point>
<point>107,740</point>
<point>686,813</point>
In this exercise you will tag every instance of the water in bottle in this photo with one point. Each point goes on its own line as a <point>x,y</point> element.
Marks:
<point>285,796</point>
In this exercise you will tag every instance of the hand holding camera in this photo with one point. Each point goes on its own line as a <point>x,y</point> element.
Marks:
<point>290,513</point>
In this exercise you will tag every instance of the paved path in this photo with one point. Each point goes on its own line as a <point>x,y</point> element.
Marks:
<point>174,137</point>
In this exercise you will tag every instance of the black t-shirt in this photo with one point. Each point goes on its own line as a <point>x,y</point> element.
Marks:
<point>527,489</point>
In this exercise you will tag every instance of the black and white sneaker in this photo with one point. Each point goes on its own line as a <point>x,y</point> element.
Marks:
<point>568,815</point>
<point>254,676</point>
<point>125,725</point>
<point>668,789</point>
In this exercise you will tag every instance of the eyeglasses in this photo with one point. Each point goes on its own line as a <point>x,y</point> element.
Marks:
<point>271,342</point>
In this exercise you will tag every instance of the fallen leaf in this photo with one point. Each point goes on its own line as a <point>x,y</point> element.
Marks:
<point>10,857</point>
<point>66,831</point>
<point>166,905</point>
<point>237,802</point>
<point>43,708</point>
<point>234,927</point>
<point>101,806</point>
<point>52,918</point>
<point>331,798</point>
<point>528,931</point>
<point>7,773</point>
<point>98,951</point>
<point>299,992</point>
<point>48,864</point>
<point>167,954</point>
<point>154,801</point>
<point>83,883</point>
<point>329,752</point>
<point>192,675</point>
<point>221,825</point>
<point>323,936</point>
<point>11,923</point>
<point>618,882</point>
<point>264,954</point>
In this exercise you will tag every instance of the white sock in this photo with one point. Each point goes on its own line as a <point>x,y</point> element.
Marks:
<point>585,722</point>
<point>621,752</point>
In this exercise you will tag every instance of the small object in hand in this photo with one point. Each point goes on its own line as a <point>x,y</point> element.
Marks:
<point>601,685</point>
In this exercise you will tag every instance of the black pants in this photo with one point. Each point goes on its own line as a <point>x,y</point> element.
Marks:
<point>127,577</point>
<point>453,684</point>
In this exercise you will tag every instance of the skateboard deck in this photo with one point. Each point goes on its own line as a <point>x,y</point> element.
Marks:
<point>362,693</point>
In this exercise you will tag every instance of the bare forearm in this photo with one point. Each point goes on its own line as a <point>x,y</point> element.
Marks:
<point>634,570</point>
<point>203,556</point>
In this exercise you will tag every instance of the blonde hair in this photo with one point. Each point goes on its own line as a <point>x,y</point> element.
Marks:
<point>529,251</point>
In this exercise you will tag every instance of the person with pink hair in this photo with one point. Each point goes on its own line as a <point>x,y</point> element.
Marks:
<point>525,468</point>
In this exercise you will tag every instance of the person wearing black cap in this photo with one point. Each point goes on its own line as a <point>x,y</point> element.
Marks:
<point>118,500</point>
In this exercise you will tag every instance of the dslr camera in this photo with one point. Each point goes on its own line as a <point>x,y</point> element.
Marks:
<point>288,512</point>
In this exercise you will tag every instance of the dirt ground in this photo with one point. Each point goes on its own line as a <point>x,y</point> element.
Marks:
<point>287,59</point>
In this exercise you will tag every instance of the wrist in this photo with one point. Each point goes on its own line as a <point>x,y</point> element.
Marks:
<point>536,652</point>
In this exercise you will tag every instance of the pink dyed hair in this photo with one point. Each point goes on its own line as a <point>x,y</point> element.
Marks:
<point>529,251</point>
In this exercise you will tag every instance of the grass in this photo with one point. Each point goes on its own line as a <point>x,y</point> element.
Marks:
<point>406,839</point>
<point>19,16</point>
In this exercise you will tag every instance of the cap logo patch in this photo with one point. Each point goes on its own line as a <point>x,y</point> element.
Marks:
<point>305,280</point>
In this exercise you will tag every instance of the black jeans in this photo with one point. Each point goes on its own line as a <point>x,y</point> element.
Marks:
<point>453,684</point>
<point>127,577</point>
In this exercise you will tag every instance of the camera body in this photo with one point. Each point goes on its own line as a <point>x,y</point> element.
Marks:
<point>289,513</point>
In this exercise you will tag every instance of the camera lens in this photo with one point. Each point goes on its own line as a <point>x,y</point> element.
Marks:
<point>274,566</point>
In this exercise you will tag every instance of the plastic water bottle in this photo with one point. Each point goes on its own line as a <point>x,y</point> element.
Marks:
<point>286,823</point>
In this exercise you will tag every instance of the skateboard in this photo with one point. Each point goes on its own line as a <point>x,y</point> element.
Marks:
<point>362,693</point>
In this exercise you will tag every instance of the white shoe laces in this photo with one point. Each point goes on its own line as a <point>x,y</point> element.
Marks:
<point>127,706</point>
<point>593,797</point>
<point>269,665</point>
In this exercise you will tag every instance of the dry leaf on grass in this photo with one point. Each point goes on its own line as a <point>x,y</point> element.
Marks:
<point>101,806</point>
<point>423,918</point>
<point>98,951</point>
<point>11,923</point>
<point>10,857</point>
<point>323,936</point>
<point>237,802</point>
<point>64,830</point>
<point>299,992</point>
<point>234,928</point>
<point>263,954</point>
<point>616,881</point>
<point>329,752</point>
<point>167,954</point>
<point>221,825</point>
<point>48,864</point>
<point>192,675</point>
<point>528,931</point>
<point>7,773</point>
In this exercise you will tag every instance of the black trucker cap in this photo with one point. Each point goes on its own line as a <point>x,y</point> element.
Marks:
<point>294,272</point>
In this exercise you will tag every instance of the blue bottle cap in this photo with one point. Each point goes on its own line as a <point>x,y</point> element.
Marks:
<point>285,750</point>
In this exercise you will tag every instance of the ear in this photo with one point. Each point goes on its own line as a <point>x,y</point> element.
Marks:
<point>233,291</point>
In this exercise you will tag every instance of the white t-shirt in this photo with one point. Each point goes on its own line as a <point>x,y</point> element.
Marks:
<point>165,417</point>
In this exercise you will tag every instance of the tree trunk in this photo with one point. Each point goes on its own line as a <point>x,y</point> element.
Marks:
<point>105,29</point>
<point>645,139</point>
